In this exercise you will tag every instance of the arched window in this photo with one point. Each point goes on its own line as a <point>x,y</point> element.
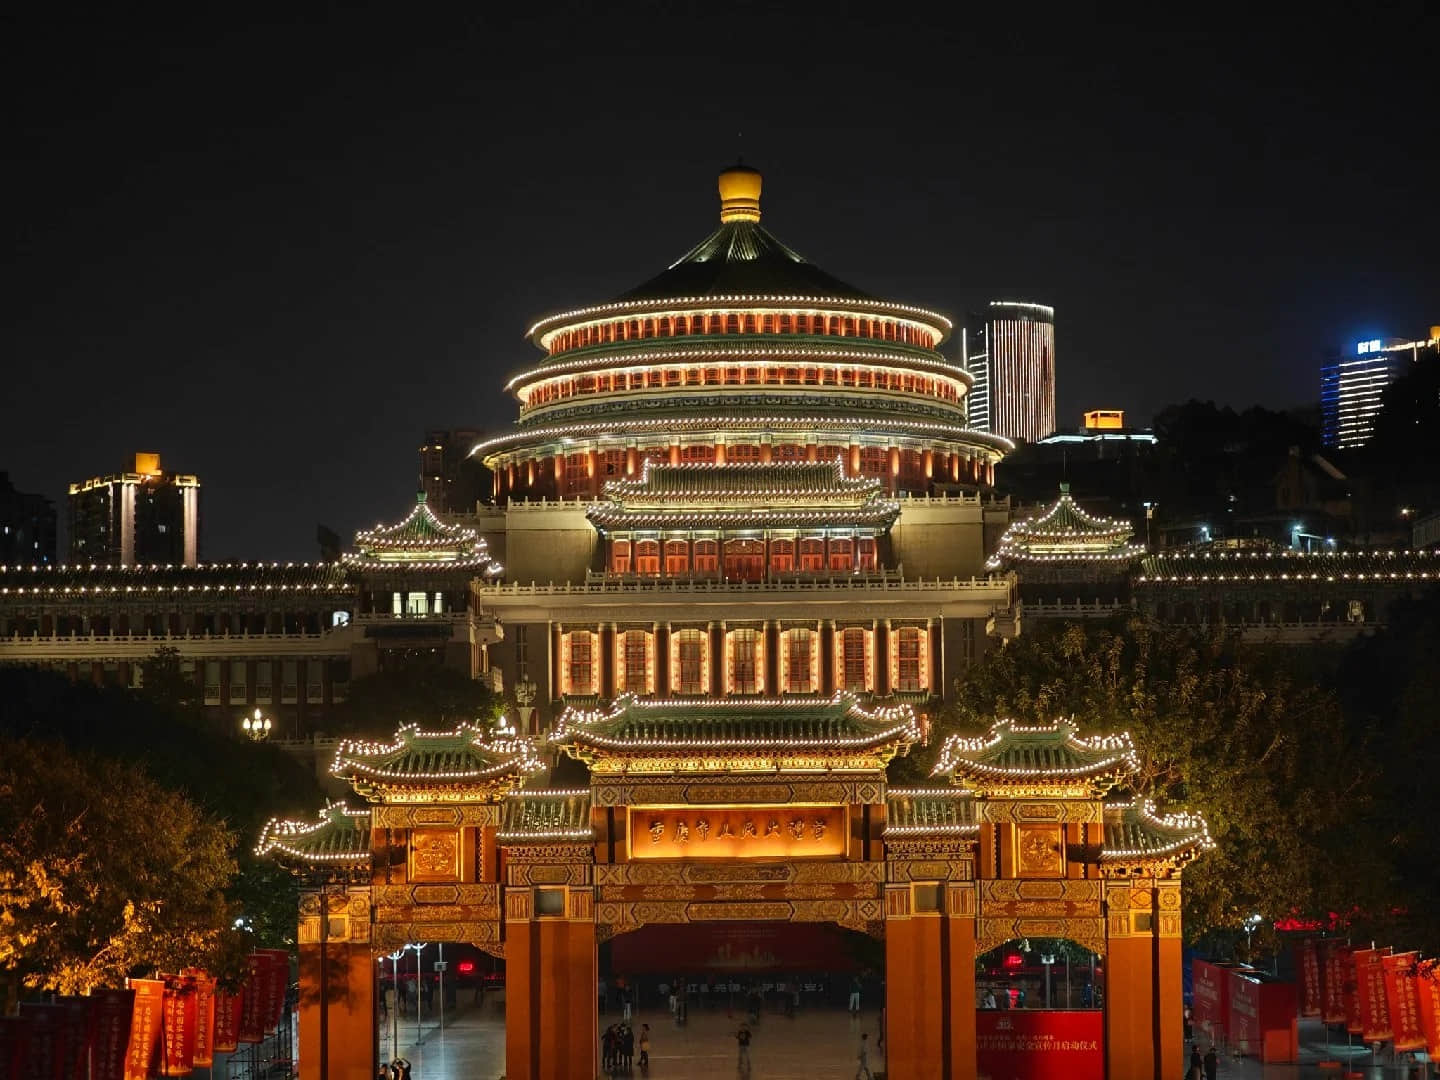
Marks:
<point>782,556</point>
<point>681,326</point>
<point>689,667</point>
<point>732,324</point>
<point>750,327</point>
<point>767,326</point>
<point>620,556</point>
<point>799,661</point>
<point>634,662</point>
<point>677,558</point>
<point>706,556</point>
<point>910,659</point>
<point>580,663</point>
<point>746,661</point>
<point>853,645</point>
<point>787,324</point>
<point>647,557</point>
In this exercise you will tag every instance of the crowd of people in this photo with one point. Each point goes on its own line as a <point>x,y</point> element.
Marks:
<point>617,1047</point>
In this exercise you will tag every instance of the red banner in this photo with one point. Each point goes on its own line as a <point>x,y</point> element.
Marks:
<point>1210,1009</point>
<point>45,1054</point>
<point>252,998</point>
<point>1038,1044</point>
<point>721,950</point>
<point>1354,1019</point>
<point>1332,982</point>
<point>278,978</point>
<point>114,1010</point>
<point>1427,991</point>
<point>177,1047</point>
<point>1370,990</point>
<point>228,1009</point>
<point>1309,950</point>
<point>79,1036</point>
<point>145,1028</point>
<point>204,1018</point>
<point>1402,1000</point>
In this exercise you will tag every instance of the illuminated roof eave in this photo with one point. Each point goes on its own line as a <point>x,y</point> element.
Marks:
<point>540,330</point>
<point>819,425</point>
<point>841,355</point>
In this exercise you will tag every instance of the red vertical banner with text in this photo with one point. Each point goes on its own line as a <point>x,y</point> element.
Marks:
<point>278,979</point>
<point>204,1018</point>
<point>228,1008</point>
<point>1427,994</point>
<point>79,1036</point>
<point>252,1007</point>
<point>146,1026</point>
<point>114,1013</point>
<point>1354,1019</point>
<point>1309,977</point>
<point>1370,990</point>
<point>1332,982</point>
<point>45,1056</point>
<point>177,1046</point>
<point>1402,1000</point>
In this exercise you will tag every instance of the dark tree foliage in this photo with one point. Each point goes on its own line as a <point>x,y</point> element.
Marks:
<point>1312,789</point>
<point>430,695</point>
<point>241,783</point>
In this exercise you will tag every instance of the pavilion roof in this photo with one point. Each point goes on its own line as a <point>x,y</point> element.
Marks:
<point>774,728</point>
<point>1065,531</point>
<point>1012,755</point>
<point>421,540</point>
<point>338,840</point>
<point>546,814</point>
<point>740,493</point>
<point>1136,833</point>
<point>463,764</point>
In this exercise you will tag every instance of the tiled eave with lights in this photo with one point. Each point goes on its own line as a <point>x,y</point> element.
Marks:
<point>420,541</point>
<point>1048,758</point>
<point>338,842</point>
<point>930,812</point>
<point>167,580</point>
<point>679,736</point>
<point>1165,569</point>
<point>546,816</point>
<point>464,764</point>
<point>1138,837</point>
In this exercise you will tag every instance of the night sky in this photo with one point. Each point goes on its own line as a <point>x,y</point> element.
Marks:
<point>276,252</point>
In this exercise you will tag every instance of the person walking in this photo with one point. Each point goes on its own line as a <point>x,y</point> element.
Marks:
<point>862,1067</point>
<point>607,1047</point>
<point>627,1046</point>
<point>742,1042</point>
<point>644,1046</point>
<point>625,1004</point>
<point>400,1069</point>
<point>1212,1064</point>
<point>855,995</point>
<point>1197,1063</point>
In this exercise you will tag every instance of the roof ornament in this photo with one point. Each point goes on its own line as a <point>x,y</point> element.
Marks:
<point>739,193</point>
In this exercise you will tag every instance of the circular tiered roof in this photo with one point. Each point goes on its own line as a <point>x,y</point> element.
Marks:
<point>738,344</point>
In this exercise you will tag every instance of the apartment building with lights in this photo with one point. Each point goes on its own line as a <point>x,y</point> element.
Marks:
<point>144,515</point>
<point>1009,352</point>
<point>1353,384</point>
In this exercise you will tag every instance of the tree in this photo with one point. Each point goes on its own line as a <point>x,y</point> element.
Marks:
<point>1251,738</point>
<point>427,694</point>
<point>104,873</point>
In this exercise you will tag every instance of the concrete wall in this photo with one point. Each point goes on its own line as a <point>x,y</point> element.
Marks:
<point>547,542</point>
<point>939,538</point>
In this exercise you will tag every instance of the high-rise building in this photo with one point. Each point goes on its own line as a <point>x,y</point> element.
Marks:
<point>453,480</point>
<point>1353,382</point>
<point>1009,350</point>
<point>27,527</point>
<point>139,517</point>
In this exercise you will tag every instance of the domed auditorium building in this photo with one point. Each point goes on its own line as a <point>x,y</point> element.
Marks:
<point>742,477</point>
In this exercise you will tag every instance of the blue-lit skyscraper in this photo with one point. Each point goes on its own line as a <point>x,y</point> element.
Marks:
<point>1353,383</point>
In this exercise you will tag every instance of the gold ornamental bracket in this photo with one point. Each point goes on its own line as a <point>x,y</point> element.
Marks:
<point>1014,761</point>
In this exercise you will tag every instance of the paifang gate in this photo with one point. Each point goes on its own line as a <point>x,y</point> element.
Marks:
<point>739,810</point>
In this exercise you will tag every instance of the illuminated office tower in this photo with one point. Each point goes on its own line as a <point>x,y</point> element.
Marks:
<point>140,517</point>
<point>1009,350</point>
<point>1353,383</point>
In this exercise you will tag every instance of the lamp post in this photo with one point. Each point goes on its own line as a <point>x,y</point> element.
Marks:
<point>525,692</point>
<point>257,726</point>
<point>1250,926</point>
<point>1048,961</point>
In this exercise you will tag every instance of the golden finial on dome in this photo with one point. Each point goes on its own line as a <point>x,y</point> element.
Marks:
<point>740,193</point>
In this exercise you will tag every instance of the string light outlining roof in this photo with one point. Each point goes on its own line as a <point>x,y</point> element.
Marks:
<point>1015,754</point>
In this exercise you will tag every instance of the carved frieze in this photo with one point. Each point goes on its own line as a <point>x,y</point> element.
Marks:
<point>338,912</point>
<point>675,873</point>
<point>1036,811</point>
<point>930,870</point>
<point>455,816</point>
<point>1087,932</point>
<point>394,935</point>
<point>610,791</point>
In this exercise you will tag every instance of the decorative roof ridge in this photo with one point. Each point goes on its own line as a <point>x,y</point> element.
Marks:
<point>504,750</point>
<point>654,474</point>
<point>1177,833</point>
<point>990,756</point>
<point>283,838</point>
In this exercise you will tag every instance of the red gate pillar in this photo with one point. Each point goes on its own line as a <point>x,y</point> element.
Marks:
<point>1169,978</point>
<point>337,985</point>
<point>930,981</point>
<point>550,982</point>
<point>1131,1036</point>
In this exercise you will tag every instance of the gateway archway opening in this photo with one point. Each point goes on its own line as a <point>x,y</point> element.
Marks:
<point>1040,1010</point>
